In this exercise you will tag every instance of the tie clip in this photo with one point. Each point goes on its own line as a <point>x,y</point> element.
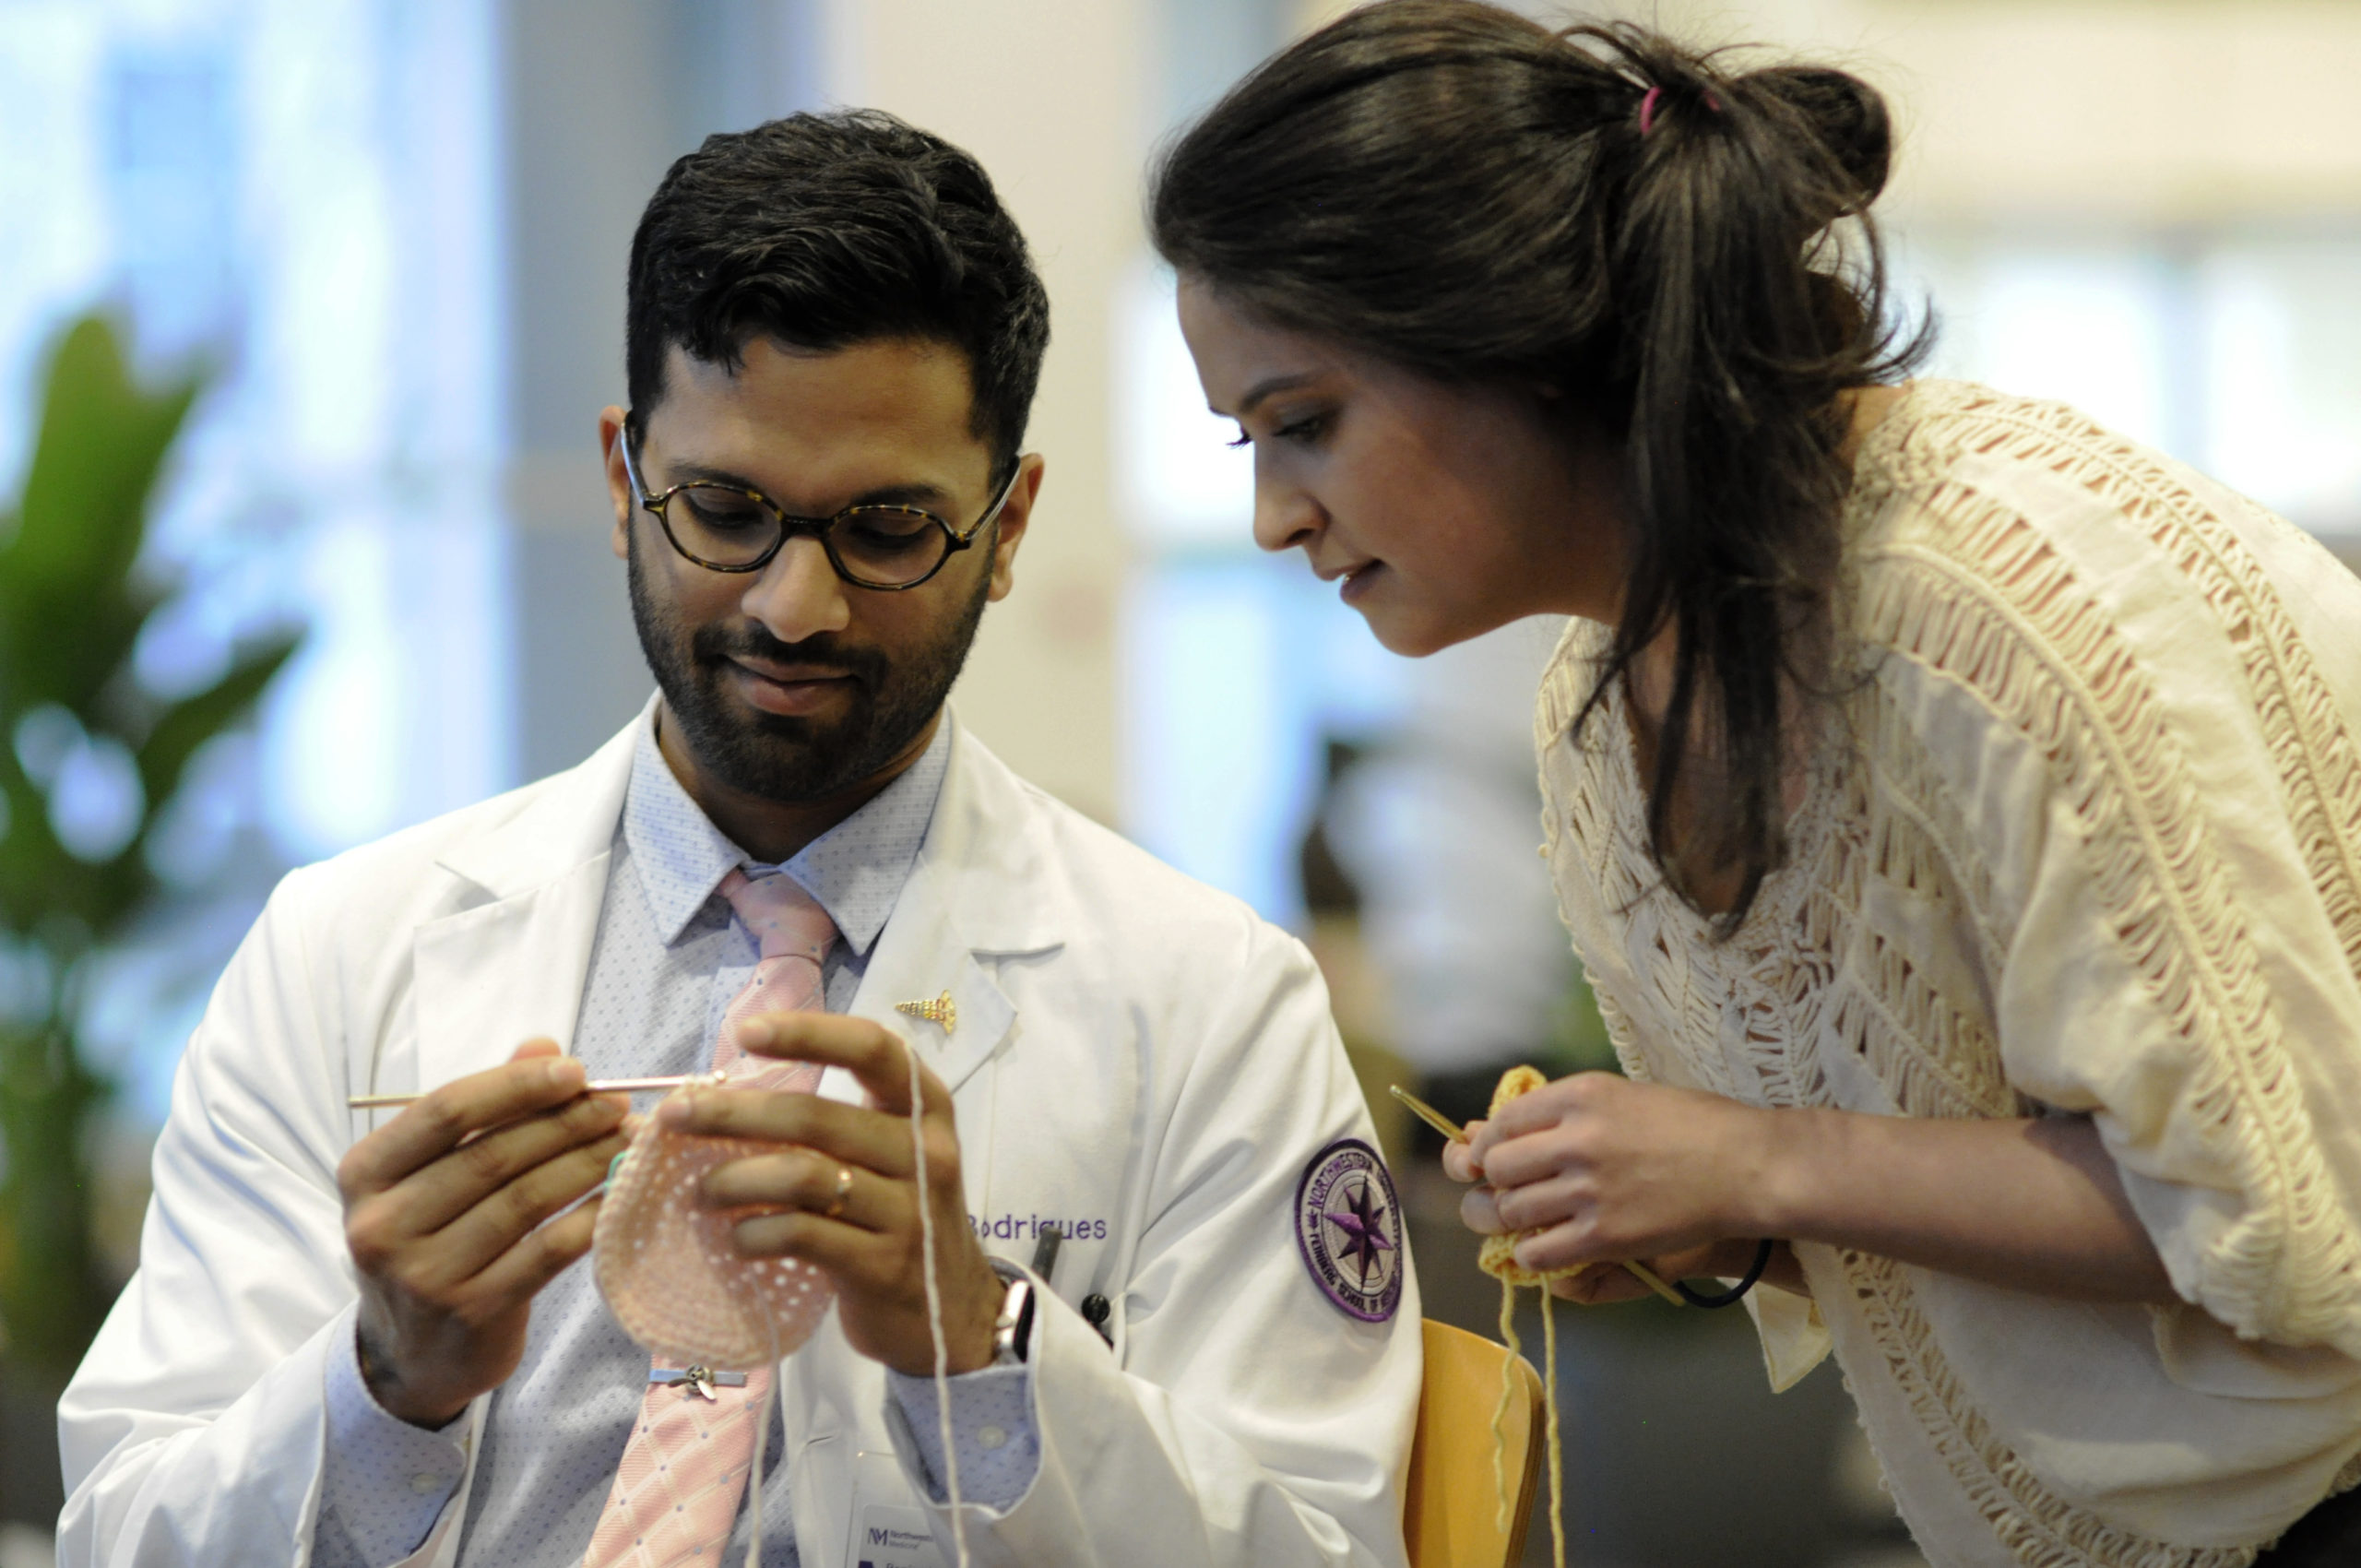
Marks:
<point>701,1381</point>
<point>598,1086</point>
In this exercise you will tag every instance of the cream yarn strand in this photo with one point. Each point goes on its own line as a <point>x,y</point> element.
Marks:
<point>762,1446</point>
<point>934,1313</point>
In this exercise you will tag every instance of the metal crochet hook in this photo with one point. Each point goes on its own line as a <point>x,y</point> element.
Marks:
<point>1457,1135</point>
<point>1451,1129</point>
<point>601,1085</point>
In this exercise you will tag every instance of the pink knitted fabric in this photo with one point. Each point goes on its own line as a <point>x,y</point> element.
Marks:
<point>669,1269</point>
<point>666,1267</point>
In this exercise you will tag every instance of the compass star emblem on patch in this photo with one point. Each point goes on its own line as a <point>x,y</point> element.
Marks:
<point>1350,1225</point>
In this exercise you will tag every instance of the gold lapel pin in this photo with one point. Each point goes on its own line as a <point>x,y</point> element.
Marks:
<point>942,1012</point>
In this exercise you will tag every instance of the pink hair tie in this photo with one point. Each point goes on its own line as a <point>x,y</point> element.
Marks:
<point>1655,95</point>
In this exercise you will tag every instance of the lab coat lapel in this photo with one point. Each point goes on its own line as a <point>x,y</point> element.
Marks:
<point>494,975</point>
<point>975,896</point>
<point>968,903</point>
<point>491,977</point>
<point>925,966</point>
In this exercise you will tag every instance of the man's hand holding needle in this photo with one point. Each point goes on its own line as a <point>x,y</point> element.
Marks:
<point>456,1213</point>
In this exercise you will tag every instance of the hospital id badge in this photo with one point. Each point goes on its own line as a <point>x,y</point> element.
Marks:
<point>889,1528</point>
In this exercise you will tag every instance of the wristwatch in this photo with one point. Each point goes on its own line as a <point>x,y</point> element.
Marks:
<point>1012,1330</point>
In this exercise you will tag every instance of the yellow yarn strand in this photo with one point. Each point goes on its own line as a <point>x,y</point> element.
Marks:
<point>1502,1488</point>
<point>1498,1258</point>
<point>1501,1413</point>
<point>1557,1453</point>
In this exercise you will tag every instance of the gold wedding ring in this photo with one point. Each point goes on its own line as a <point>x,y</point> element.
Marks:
<point>844,1190</point>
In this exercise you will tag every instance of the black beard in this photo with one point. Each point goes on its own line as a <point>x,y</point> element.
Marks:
<point>785,758</point>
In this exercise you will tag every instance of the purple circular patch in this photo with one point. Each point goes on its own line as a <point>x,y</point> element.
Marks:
<point>1350,1227</point>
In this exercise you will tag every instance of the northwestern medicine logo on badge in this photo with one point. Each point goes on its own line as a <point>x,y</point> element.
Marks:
<point>1350,1229</point>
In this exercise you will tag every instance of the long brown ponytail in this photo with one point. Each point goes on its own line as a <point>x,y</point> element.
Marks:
<point>1460,191</point>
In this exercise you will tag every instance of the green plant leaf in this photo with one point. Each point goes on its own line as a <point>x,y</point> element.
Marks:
<point>185,725</point>
<point>69,608</point>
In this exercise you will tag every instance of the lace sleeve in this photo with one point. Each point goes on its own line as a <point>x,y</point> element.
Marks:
<point>2162,780</point>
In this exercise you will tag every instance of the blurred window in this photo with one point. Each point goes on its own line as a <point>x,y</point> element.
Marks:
<point>2237,352</point>
<point>298,195</point>
<point>1238,666</point>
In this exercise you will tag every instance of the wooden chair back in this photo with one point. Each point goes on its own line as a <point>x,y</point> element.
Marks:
<point>1451,1514</point>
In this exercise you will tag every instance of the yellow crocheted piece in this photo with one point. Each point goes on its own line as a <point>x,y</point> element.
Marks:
<point>1499,1256</point>
<point>1498,1259</point>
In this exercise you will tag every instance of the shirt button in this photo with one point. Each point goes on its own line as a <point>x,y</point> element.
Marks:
<point>422,1483</point>
<point>991,1437</point>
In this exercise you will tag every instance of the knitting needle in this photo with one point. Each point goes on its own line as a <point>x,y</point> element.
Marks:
<point>1452,1130</point>
<point>1428,1113</point>
<point>603,1085</point>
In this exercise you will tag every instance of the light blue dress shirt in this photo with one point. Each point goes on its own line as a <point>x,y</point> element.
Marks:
<point>667,958</point>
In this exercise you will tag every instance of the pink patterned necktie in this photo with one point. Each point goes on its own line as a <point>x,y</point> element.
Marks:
<point>683,1473</point>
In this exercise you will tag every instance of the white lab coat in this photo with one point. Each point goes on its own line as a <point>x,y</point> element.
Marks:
<point>1130,1047</point>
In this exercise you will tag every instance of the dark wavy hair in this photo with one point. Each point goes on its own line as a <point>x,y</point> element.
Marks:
<point>1466,194</point>
<point>821,230</point>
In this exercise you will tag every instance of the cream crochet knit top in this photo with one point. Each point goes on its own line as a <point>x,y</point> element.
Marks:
<point>2085,839</point>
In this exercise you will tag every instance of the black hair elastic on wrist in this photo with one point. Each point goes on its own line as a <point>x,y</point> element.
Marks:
<point>1730,1297</point>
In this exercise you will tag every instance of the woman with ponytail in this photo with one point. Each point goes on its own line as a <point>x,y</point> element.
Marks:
<point>1957,806</point>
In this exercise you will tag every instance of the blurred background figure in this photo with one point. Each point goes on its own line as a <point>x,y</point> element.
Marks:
<point>1437,827</point>
<point>389,236</point>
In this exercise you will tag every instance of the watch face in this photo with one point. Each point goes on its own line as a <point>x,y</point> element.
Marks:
<point>1012,1334</point>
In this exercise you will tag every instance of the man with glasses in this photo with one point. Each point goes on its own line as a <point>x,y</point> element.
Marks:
<point>1167,1314</point>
